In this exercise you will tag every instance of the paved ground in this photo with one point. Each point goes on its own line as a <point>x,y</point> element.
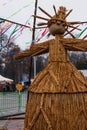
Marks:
<point>9,104</point>
<point>16,125</point>
<point>12,124</point>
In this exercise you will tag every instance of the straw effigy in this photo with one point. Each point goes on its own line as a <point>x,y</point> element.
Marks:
<point>58,94</point>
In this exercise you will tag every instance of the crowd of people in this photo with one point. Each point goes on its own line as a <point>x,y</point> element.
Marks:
<point>7,87</point>
<point>11,86</point>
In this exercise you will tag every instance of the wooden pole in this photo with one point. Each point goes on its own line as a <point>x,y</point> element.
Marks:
<point>33,39</point>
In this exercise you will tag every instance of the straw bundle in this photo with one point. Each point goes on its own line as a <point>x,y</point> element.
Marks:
<point>56,112</point>
<point>58,94</point>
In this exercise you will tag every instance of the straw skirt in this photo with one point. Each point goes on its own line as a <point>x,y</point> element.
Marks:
<point>57,99</point>
<point>56,112</point>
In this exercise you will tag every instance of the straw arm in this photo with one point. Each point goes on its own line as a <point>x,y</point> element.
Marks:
<point>36,49</point>
<point>75,44</point>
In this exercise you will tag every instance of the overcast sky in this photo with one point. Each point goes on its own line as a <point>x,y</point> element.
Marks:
<point>21,10</point>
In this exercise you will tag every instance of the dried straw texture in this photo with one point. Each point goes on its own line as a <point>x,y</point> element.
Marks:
<point>59,75</point>
<point>56,112</point>
<point>58,78</point>
<point>58,94</point>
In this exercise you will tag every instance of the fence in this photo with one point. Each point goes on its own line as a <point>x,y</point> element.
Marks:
<point>11,102</point>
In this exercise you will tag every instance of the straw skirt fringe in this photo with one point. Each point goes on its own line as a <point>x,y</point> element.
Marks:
<point>56,112</point>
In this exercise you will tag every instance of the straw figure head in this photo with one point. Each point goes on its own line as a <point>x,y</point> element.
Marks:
<point>57,24</point>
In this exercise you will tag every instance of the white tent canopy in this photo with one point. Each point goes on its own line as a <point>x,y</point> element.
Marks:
<point>84,72</point>
<point>5,79</point>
